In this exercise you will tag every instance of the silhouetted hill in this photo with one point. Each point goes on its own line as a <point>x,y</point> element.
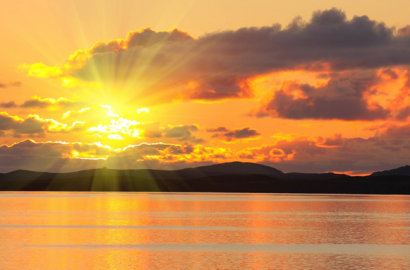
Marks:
<point>240,168</point>
<point>225,183</point>
<point>405,170</point>
<point>313,176</point>
<point>228,177</point>
<point>237,168</point>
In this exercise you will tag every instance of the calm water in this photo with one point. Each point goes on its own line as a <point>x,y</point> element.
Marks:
<point>46,230</point>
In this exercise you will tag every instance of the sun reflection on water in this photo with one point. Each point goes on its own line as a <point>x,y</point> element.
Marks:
<point>202,231</point>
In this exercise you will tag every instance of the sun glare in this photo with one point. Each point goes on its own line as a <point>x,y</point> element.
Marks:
<point>115,137</point>
<point>143,110</point>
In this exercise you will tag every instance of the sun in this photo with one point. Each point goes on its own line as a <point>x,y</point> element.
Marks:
<point>106,124</point>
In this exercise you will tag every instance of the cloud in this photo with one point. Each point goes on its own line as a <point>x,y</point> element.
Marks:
<point>397,131</point>
<point>337,140</point>
<point>10,84</point>
<point>390,73</point>
<point>217,129</point>
<point>404,31</point>
<point>167,156</point>
<point>386,150</point>
<point>8,105</point>
<point>343,97</point>
<point>235,134</point>
<point>151,130</point>
<point>403,114</point>
<point>34,126</point>
<point>182,133</point>
<point>37,102</point>
<point>180,149</point>
<point>302,154</point>
<point>51,156</point>
<point>64,156</point>
<point>103,120</point>
<point>173,65</point>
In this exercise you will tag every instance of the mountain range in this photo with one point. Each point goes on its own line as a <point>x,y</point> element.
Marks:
<point>225,177</point>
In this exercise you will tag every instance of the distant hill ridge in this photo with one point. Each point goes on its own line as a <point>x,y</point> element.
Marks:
<point>226,177</point>
<point>240,168</point>
<point>230,168</point>
<point>405,171</point>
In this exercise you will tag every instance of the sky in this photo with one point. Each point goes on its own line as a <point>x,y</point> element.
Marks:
<point>303,87</point>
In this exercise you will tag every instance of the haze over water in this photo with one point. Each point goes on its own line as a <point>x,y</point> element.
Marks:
<point>46,230</point>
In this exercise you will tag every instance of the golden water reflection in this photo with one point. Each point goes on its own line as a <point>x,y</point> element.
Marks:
<point>47,230</point>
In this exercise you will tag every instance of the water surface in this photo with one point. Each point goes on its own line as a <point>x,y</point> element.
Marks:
<point>46,230</point>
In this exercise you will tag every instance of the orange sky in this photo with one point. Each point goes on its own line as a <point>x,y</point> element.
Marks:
<point>171,84</point>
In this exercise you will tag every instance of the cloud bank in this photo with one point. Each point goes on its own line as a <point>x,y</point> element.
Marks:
<point>173,65</point>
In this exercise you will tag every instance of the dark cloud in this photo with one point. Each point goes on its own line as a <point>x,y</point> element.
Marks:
<point>135,152</point>
<point>328,17</point>
<point>391,73</point>
<point>10,84</point>
<point>337,140</point>
<point>167,156</point>
<point>237,134</point>
<point>182,133</point>
<point>152,130</point>
<point>179,131</point>
<point>300,148</point>
<point>37,102</point>
<point>403,113</point>
<point>404,31</point>
<point>357,155</point>
<point>144,38</point>
<point>218,87</point>
<point>322,76</point>
<point>220,64</point>
<point>339,98</point>
<point>397,131</point>
<point>217,129</point>
<point>47,156</point>
<point>9,104</point>
<point>15,84</point>
<point>31,125</point>
<point>34,126</point>
<point>303,154</point>
<point>180,149</point>
<point>65,157</point>
<point>57,156</point>
<point>8,122</point>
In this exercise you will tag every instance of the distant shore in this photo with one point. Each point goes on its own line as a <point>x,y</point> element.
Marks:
<point>227,177</point>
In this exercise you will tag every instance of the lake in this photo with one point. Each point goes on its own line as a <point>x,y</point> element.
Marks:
<point>79,230</point>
